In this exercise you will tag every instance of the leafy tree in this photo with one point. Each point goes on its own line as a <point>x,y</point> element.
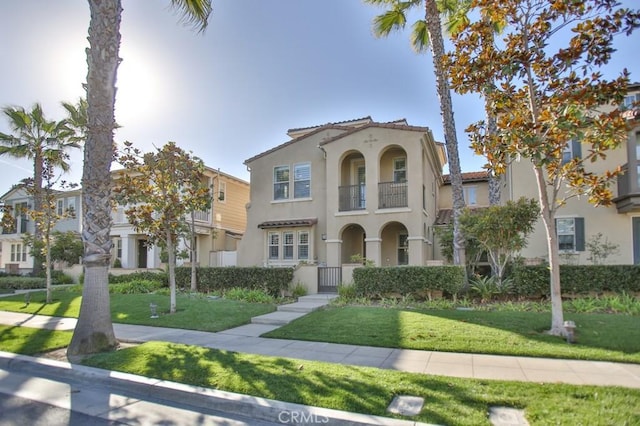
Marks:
<point>427,34</point>
<point>473,251</point>
<point>545,97</point>
<point>161,188</point>
<point>38,139</point>
<point>501,231</point>
<point>45,219</point>
<point>67,247</point>
<point>94,330</point>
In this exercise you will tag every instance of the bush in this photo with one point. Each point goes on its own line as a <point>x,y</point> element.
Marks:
<point>160,277</point>
<point>298,290</point>
<point>273,281</point>
<point>248,295</point>
<point>22,283</point>
<point>135,287</point>
<point>407,280</point>
<point>347,292</point>
<point>533,281</point>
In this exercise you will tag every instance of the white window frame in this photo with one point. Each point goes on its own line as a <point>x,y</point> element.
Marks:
<point>628,101</point>
<point>297,181</point>
<point>288,245</point>
<point>396,170</point>
<point>71,207</point>
<point>566,233</point>
<point>271,244</point>
<point>470,194</point>
<point>286,183</point>
<point>303,244</point>
<point>60,207</point>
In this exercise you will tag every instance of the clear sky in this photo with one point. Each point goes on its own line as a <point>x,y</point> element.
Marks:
<point>262,67</point>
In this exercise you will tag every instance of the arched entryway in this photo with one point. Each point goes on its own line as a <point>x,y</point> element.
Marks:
<point>395,244</point>
<point>353,244</point>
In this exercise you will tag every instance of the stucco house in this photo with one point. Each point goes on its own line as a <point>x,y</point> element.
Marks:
<point>218,229</point>
<point>14,255</point>
<point>577,222</point>
<point>346,190</point>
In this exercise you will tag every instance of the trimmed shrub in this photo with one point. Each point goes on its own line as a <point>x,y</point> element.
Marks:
<point>533,281</point>
<point>248,295</point>
<point>407,280</point>
<point>137,276</point>
<point>135,287</point>
<point>22,283</point>
<point>273,281</point>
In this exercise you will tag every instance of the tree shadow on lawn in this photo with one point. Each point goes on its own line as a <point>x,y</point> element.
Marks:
<point>356,389</point>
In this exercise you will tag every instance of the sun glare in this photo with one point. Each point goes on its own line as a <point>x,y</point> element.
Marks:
<point>137,89</point>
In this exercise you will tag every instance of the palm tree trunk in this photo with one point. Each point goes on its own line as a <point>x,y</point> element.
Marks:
<point>434,27</point>
<point>38,168</point>
<point>94,331</point>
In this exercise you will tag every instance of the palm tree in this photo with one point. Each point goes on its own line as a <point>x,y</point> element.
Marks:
<point>94,330</point>
<point>40,140</point>
<point>427,33</point>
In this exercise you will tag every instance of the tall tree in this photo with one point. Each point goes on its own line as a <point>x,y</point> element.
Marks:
<point>94,331</point>
<point>38,139</point>
<point>427,34</point>
<point>546,97</point>
<point>161,188</point>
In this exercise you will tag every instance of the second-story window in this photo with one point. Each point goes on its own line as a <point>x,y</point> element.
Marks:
<point>281,183</point>
<point>470,195</point>
<point>302,180</point>
<point>629,101</point>
<point>222,192</point>
<point>572,150</point>
<point>400,169</point>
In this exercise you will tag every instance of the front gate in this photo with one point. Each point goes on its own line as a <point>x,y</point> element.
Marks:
<point>329,278</point>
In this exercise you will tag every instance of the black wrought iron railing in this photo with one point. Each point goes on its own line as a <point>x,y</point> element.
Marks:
<point>392,195</point>
<point>351,197</point>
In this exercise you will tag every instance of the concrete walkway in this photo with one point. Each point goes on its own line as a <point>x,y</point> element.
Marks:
<point>246,339</point>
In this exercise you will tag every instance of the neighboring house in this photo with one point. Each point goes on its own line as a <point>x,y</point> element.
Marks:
<point>345,190</point>
<point>218,229</point>
<point>578,221</point>
<point>15,257</point>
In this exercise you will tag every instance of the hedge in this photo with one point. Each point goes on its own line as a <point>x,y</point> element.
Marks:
<point>405,280</point>
<point>139,276</point>
<point>533,281</point>
<point>22,283</point>
<point>272,280</point>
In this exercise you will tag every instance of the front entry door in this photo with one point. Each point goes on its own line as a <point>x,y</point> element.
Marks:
<point>142,253</point>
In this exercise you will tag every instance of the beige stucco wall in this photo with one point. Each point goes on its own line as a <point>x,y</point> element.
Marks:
<point>445,201</point>
<point>615,227</point>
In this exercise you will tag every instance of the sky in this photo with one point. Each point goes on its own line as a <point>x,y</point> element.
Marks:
<point>261,68</point>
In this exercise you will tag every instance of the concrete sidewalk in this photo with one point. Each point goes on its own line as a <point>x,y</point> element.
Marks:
<point>246,339</point>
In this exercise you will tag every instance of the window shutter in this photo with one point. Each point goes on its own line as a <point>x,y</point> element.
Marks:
<point>576,148</point>
<point>579,228</point>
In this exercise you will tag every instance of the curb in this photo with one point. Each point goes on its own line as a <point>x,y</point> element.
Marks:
<point>197,397</point>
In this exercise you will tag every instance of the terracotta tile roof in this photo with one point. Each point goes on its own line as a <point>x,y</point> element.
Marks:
<point>288,223</point>
<point>468,177</point>
<point>337,123</point>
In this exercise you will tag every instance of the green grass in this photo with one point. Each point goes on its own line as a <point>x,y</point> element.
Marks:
<point>600,336</point>
<point>31,341</point>
<point>448,401</point>
<point>193,313</point>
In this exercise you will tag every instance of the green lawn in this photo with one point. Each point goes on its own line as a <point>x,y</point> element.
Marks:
<point>600,336</point>
<point>31,341</point>
<point>448,401</point>
<point>193,313</point>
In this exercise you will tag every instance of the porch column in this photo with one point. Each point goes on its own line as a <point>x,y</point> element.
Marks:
<point>374,250</point>
<point>334,252</point>
<point>416,251</point>
<point>128,251</point>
